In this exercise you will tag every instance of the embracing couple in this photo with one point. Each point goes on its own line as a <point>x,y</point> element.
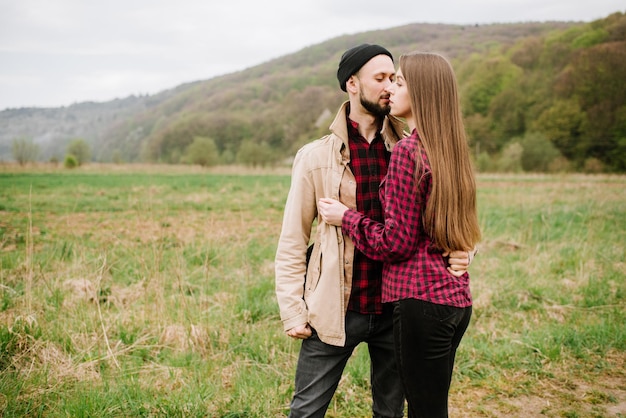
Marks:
<point>396,230</point>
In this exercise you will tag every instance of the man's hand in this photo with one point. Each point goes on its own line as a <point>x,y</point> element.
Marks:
<point>301,332</point>
<point>458,262</point>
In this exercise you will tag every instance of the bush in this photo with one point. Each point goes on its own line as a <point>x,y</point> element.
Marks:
<point>70,161</point>
<point>593,166</point>
<point>116,157</point>
<point>560,165</point>
<point>228,157</point>
<point>79,149</point>
<point>255,154</point>
<point>484,163</point>
<point>511,158</point>
<point>25,150</point>
<point>202,151</point>
<point>538,152</point>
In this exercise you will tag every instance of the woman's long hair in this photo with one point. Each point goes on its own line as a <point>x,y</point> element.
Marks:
<point>450,217</point>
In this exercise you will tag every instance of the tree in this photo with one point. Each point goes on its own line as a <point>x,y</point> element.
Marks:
<point>479,133</point>
<point>25,150</point>
<point>255,154</point>
<point>538,152</point>
<point>489,78</point>
<point>116,157</point>
<point>507,114</point>
<point>562,124</point>
<point>485,163</point>
<point>598,74</point>
<point>80,150</point>
<point>202,151</point>
<point>511,158</point>
<point>527,53</point>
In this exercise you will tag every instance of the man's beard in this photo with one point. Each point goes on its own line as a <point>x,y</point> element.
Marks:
<point>373,107</point>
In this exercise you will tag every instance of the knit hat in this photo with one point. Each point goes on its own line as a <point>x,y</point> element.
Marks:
<point>353,59</point>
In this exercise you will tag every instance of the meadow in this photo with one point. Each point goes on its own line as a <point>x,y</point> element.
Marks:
<point>129,291</point>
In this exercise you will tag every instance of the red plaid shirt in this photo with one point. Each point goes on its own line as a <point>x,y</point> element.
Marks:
<point>413,269</point>
<point>368,162</point>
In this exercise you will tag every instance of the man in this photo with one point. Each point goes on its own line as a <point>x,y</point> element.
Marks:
<point>333,302</point>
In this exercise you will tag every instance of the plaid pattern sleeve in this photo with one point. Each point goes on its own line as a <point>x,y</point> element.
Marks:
<point>396,239</point>
<point>412,269</point>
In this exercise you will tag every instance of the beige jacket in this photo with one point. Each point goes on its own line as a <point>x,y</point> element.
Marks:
<point>319,295</point>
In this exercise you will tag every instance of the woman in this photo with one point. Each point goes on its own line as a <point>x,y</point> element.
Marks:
<point>429,202</point>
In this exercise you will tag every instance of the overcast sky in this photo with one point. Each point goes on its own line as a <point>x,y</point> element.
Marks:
<point>60,52</point>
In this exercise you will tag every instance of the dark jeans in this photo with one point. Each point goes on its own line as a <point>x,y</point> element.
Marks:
<point>427,336</point>
<point>320,366</point>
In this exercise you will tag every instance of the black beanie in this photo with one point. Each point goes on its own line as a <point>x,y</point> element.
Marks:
<point>353,59</point>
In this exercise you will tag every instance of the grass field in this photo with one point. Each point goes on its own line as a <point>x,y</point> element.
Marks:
<point>149,292</point>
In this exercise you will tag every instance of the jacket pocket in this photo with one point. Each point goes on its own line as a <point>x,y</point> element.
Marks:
<point>313,271</point>
<point>309,252</point>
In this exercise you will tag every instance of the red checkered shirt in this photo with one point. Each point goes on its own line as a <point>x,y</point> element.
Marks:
<point>412,269</point>
<point>368,162</point>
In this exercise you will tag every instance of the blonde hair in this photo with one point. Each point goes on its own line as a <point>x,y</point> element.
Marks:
<point>450,217</point>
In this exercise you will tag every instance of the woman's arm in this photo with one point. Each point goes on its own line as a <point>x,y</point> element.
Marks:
<point>396,239</point>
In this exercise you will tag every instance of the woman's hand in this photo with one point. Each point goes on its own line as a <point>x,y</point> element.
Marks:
<point>331,210</point>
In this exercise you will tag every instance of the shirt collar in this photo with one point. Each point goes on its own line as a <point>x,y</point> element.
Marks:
<point>354,134</point>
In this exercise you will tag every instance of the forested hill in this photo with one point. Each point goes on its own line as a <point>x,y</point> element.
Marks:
<point>537,96</point>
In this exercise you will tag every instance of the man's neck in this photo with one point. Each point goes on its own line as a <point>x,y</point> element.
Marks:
<point>369,125</point>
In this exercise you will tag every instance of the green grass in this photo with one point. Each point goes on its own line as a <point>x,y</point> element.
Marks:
<point>150,292</point>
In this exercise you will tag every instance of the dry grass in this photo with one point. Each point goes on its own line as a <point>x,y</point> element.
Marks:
<point>156,298</point>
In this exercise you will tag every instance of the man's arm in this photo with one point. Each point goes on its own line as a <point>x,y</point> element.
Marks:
<point>290,261</point>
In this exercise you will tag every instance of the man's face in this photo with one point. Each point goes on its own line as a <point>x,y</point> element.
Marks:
<point>373,79</point>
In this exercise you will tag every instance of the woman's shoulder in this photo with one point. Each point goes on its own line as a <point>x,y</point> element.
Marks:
<point>407,145</point>
<point>409,150</point>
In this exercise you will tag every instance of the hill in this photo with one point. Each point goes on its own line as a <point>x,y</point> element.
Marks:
<point>555,87</point>
<point>53,128</point>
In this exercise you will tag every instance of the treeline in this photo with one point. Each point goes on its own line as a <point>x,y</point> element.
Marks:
<point>535,96</point>
<point>550,103</point>
<point>47,132</point>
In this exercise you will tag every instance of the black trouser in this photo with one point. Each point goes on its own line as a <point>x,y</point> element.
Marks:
<point>321,365</point>
<point>426,338</point>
